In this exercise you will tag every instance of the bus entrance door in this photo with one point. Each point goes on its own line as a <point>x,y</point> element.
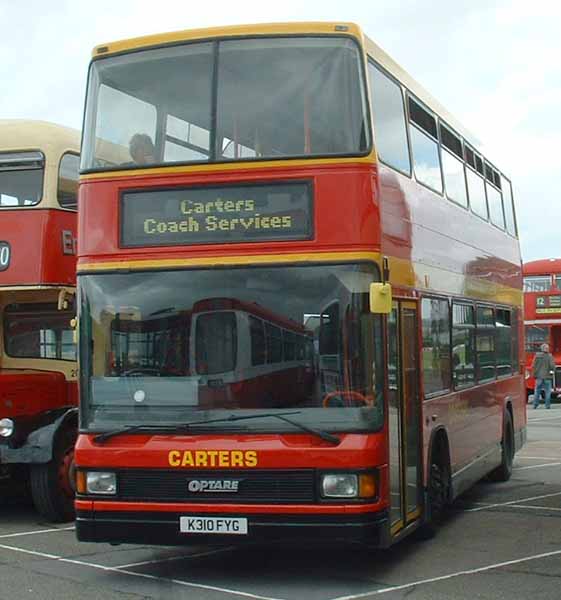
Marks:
<point>403,417</point>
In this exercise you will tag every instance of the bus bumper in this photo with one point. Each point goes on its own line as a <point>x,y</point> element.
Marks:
<point>163,528</point>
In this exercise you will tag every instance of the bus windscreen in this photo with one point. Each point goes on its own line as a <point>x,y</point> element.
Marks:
<point>171,345</point>
<point>226,100</point>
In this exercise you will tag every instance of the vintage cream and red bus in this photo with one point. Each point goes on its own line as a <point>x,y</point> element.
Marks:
<point>297,169</point>
<point>542,315</point>
<point>38,390</point>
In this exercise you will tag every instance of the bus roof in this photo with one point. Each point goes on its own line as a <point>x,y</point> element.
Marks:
<point>543,266</point>
<point>21,134</point>
<point>314,28</point>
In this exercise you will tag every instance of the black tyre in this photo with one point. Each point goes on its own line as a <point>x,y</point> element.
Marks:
<point>52,484</point>
<point>504,471</point>
<point>438,496</point>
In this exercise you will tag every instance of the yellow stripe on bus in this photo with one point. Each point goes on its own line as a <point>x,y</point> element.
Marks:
<point>213,261</point>
<point>227,167</point>
<point>175,37</point>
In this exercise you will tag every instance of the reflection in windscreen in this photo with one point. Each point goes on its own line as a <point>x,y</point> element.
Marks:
<point>273,97</point>
<point>260,338</point>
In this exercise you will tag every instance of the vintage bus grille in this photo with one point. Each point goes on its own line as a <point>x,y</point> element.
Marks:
<point>557,381</point>
<point>255,486</point>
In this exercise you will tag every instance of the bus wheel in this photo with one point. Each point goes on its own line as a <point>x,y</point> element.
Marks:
<point>437,497</point>
<point>504,471</point>
<point>52,488</point>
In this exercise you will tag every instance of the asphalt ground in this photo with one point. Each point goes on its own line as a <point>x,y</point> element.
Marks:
<point>500,541</point>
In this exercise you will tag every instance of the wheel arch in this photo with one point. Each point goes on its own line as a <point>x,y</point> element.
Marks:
<point>39,446</point>
<point>439,444</point>
<point>507,407</point>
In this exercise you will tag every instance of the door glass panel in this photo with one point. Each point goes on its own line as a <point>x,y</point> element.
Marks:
<point>394,415</point>
<point>411,405</point>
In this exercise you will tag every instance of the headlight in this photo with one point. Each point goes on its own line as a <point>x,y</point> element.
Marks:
<point>339,486</point>
<point>101,482</point>
<point>6,427</point>
<point>350,485</point>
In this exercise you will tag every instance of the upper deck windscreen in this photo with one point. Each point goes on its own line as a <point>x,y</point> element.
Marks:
<point>226,100</point>
<point>21,178</point>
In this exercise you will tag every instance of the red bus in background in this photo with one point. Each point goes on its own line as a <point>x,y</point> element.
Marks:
<point>278,183</point>
<point>246,353</point>
<point>542,315</point>
<point>38,391</point>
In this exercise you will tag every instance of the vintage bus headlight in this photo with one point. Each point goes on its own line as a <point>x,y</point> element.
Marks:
<point>349,485</point>
<point>101,482</point>
<point>6,427</point>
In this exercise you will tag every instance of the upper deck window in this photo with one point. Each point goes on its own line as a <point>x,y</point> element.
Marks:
<point>537,283</point>
<point>21,178</point>
<point>473,160</point>
<point>453,167</point>
<point>451,141</point>
<point>495,203</point>
<point>389,120</point>
<point>426,157</point>
<point>226,100</point>
<point>508,206</point>
<point>68,174</point>
<point>476,192</point>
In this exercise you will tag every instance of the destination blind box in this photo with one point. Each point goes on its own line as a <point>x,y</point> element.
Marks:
<point>217,214</point>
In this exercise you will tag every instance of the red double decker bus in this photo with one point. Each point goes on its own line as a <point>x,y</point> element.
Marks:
<point>542,315</point>
<point>244,368</point>
<point>38,370</point>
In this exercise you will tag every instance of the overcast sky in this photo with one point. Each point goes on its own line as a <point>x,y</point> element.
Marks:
<point>495,65</point>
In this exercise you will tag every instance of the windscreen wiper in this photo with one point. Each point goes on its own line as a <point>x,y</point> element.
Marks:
<point>324,435</point>
<point>103,437</point>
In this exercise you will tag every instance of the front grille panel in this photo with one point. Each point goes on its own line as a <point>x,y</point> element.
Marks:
<point>255,486</point>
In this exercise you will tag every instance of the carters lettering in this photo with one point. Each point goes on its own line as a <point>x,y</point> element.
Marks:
<point>212,458</point>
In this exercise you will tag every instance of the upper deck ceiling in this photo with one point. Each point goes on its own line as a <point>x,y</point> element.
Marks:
<point>304,28</point>
<point>544,266</point>
<point>20,135</point>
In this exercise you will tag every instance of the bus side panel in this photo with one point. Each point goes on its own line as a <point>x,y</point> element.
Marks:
<point>52,263</point>
<point>473,422</point>
<point>60,255</point>
<point>26,394</point>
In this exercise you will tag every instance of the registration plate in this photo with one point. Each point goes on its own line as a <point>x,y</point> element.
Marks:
<point>213,525</point>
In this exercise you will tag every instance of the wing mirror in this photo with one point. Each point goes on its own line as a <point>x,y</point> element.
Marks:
<point>380,298</point>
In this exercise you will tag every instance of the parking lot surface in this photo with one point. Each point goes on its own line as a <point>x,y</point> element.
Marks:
<point>500,541</point>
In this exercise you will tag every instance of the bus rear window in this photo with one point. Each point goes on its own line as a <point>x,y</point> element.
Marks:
<point>216,343</point>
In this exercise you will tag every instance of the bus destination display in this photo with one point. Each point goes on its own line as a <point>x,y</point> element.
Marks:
<point>548,304</point>
<point>216,214</point>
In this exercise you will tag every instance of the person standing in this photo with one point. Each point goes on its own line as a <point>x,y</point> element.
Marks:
<point>543,369</point>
